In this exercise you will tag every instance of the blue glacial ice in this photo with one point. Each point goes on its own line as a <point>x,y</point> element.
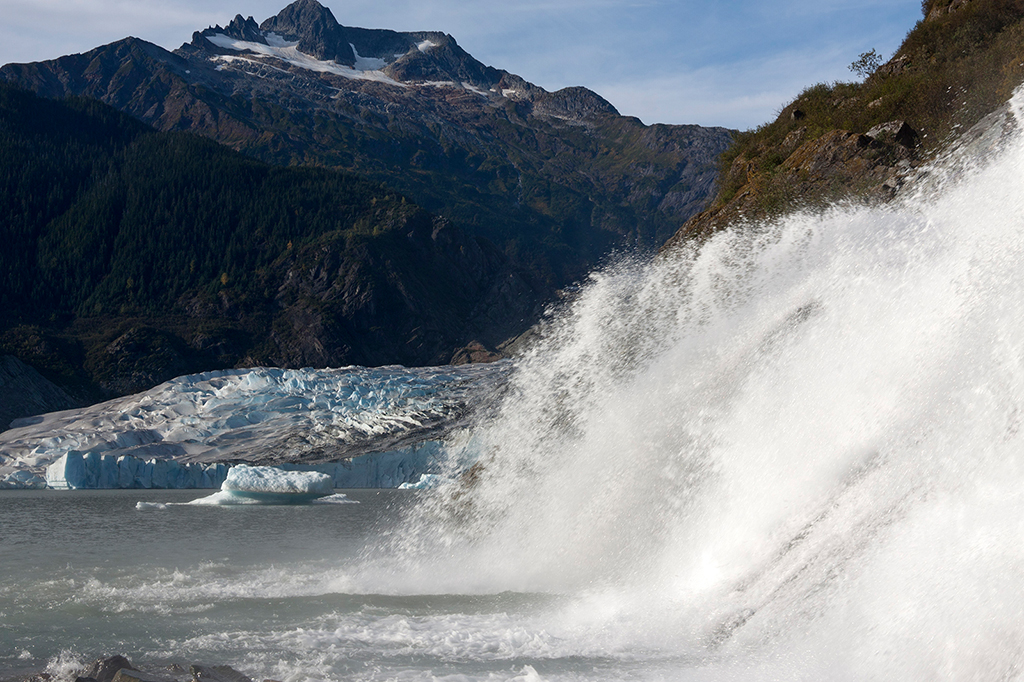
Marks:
<point>23,478</point>
<point>362,427</point>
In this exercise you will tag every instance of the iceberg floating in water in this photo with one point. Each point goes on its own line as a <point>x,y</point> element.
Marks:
<point>269,485</point>
<point>426,482</point>
<point>250,479</point>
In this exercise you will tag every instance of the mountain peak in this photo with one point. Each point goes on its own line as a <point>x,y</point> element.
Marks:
<point>315,29</point>
<point>302,16</point>
<point>243,29</point>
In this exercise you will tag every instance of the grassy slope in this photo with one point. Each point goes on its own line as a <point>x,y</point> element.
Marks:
<point>960,62</point>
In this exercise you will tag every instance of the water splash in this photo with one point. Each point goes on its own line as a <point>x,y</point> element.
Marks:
<point>793,451</point>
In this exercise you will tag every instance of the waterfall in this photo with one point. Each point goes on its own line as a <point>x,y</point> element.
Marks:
<point>791,451</point>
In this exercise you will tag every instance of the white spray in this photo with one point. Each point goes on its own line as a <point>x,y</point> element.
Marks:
<point>793,452</point>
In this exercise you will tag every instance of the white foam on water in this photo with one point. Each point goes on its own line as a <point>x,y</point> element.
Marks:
<point>336,498</point>
<point>202,588</point>
<point>65,666</point>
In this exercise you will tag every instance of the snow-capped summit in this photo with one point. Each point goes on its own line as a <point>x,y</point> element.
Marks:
<point>305,35</point>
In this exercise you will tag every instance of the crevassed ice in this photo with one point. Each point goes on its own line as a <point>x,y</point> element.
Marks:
<point>171,435</point>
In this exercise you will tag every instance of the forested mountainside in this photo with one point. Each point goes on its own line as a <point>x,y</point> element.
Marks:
<point>132,256</point>
<point>555,179</point>
<point>466,198</point>
<point>863,140</point>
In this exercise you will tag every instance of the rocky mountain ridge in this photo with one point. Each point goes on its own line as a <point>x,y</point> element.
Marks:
<point>554,179</point>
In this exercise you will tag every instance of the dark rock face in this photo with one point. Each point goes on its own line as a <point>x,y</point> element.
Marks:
<point>120,669</point>
<point>572,104</point>
<point>243,29</point>
<point>474,352</point>
<point>895,131</point>
<point>379,303</point>
<point>315,29</point>
<point>133,675</point>
<point>104,669</point>
<point>24,392</point>
<point>138,359</point>
<point>216,673</point>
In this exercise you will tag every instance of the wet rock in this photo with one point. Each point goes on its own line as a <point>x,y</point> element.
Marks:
<point>217,673</point>
<point>104,669</point>
<point>126,675</point>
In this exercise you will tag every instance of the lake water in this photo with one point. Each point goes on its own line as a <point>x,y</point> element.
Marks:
<point>257,587</point>
<point>276,592</point>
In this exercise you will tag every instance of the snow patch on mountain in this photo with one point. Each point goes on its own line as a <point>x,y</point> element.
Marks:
<point>288,52</point>
<point>228,60</point>
<point>367,63</point>
<point>275,40</point>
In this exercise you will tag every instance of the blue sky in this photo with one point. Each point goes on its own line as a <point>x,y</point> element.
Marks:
<point>719,62</point>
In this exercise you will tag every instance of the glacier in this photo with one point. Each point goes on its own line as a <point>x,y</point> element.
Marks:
<point>362,427</point>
